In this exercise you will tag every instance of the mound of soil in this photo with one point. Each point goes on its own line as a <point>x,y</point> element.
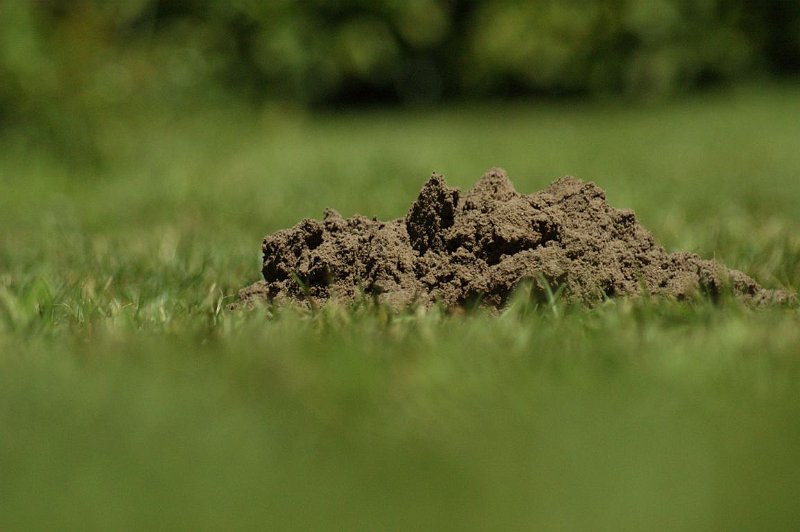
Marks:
<point>475,248</point>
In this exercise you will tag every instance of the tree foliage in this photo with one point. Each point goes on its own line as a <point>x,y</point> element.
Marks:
<point>72,56</point>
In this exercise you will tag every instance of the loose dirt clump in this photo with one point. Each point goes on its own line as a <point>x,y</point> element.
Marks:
<point>476,248</point>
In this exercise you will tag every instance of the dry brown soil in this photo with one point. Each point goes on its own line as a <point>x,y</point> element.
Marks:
<point>462,249</point>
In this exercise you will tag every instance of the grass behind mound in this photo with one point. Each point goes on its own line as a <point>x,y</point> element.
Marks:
<point>130,398</point>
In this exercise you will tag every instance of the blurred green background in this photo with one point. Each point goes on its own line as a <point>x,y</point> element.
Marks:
<point>66,65</point>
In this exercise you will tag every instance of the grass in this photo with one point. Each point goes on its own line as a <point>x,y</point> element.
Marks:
<point>130,398</point>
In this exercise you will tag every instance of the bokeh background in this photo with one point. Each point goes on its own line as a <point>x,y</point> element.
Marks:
<point>66,65</point>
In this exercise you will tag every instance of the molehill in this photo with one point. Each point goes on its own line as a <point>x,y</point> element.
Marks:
<point>476,248</point>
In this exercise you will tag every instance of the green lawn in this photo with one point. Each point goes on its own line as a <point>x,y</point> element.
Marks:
<point>130,398</point>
